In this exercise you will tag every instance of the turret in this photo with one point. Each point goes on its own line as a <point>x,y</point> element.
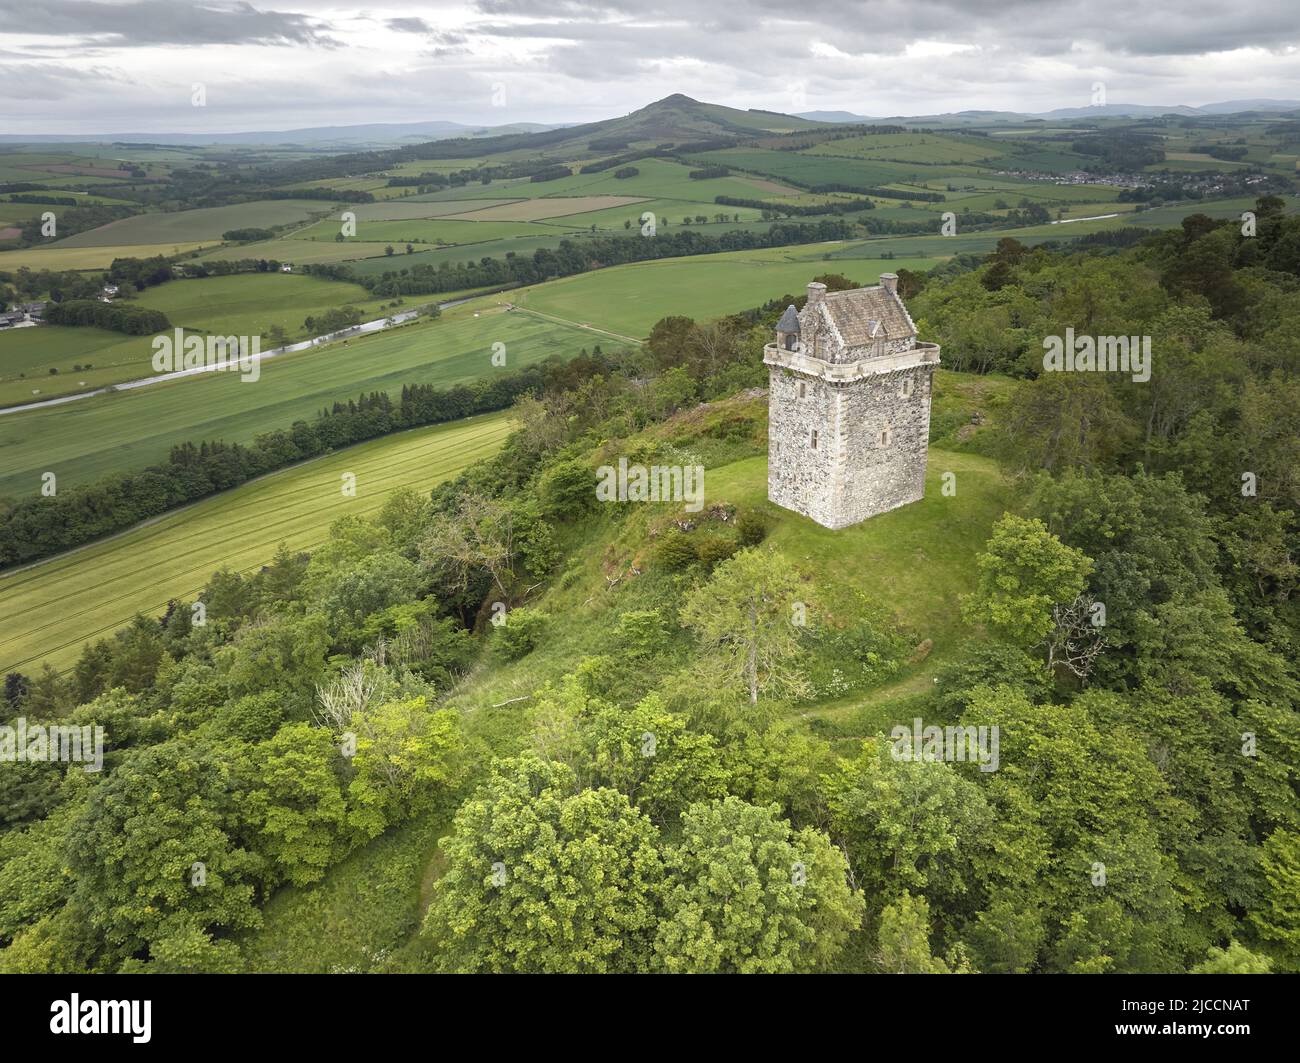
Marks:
<point>787,329</point>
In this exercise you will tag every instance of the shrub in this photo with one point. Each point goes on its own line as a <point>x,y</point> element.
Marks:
<point>523,629</point>
<point>712,549</point>
<point>751,528</point>
<point>641,632</point>
<point>675,550</point>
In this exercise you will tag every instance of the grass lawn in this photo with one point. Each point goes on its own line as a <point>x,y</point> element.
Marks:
<point>47,611</point>
<point>915,562</point>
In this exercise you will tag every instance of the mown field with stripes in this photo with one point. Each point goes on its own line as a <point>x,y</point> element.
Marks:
<point>48,610</point>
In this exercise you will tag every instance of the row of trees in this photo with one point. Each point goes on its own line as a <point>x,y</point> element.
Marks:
<point>37,526</point>
<point>572,257</point>
<point>116,317</point>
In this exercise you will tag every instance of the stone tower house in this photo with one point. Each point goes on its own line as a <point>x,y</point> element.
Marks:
<point>848,405</point>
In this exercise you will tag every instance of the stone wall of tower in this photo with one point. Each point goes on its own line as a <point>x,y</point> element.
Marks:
<point>799,476</point>
<point>850,475</point>
<point>878,477</point>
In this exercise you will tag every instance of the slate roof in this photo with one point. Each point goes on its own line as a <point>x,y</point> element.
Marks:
<point>789,320</point>
<point>861,316</point>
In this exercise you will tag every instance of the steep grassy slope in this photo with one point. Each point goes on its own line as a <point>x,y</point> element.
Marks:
<point>912,564</point>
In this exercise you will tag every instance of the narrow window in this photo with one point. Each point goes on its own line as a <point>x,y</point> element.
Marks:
<point>907,387</point>
<point>803,389</point>
<point>814,439</point>
<point>885,437</point>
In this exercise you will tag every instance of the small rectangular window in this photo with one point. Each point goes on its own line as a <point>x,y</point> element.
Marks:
<point>884,437</point>
<point>803,389</point>
<point>814,439</point>
<point>907,387</point>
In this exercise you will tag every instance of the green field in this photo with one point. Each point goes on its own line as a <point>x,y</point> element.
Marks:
<point>246,304</point>
<point>49,256</point>
<point>297,251</point>
<point>516,215</point>
<point>207,223</point>
<point>630,299</point>
<point>249,303</point>
<point>127,430</point>
<point>422,230</point>
<point>917,561</point>
<point>49,609</point>
<point>925,148</point>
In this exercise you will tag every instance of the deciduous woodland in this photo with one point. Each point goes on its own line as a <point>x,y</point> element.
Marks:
<point>382,696</point>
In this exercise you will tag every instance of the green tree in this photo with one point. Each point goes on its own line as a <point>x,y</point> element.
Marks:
<point>649,754</point>
<point>744,617</point>
<point>158,847</point>
<point>904,938</point>
<point>745,893</point>
<point>408,758</point>
<point>1024,572</point>
<point>1235,959</point>
<point>1277,916</point>
<point>541,878</point>
<point>298,803</point>
<point>908,824</point>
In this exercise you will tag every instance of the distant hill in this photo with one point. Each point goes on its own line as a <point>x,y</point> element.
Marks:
<point>675,119</point>
<point>680,118</point>
<point>348,136</point>
<point>1110,110</point>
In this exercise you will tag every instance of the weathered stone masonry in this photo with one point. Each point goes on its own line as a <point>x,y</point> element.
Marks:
<point>848,405</point>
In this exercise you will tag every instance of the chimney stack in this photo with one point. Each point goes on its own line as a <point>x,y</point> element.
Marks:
<point>889,281</point>
<point>815,292</point>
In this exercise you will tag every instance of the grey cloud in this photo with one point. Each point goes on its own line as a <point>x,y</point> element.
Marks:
<point>153,22</point>
<point>408,25</point>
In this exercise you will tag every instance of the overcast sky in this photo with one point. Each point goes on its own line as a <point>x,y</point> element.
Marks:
<point>95,66</point>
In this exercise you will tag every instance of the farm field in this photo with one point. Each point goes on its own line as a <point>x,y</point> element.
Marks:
<point>427,230</point>
<point>821,169</point>
<point>96,257</point>
<point>630,299</point>
<point>207,223</point>
<point>925,148</point>
<point>410,207</point>
<point>246,304</point>
<point>51,608</point>
<point>297,251</point>
<point>28,355</point>
<point>128,430</point>
<point>551,207</point>
<point>516,215</point>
